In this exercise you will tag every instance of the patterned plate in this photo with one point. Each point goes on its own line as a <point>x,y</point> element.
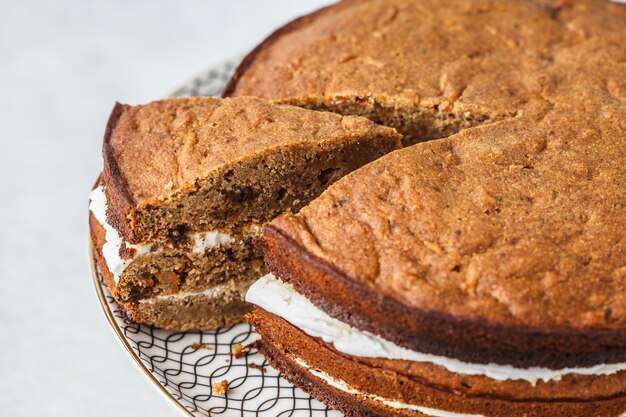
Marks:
<point>184,365</point>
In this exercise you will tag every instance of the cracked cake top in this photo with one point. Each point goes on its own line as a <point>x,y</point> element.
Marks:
<point>517,224</point>
<point>164,147</point>
<point>430,68</point>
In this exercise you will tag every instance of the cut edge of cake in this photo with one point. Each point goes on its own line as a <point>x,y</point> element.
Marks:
<point>170,280</point>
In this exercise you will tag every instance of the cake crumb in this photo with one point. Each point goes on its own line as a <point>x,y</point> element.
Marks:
<point>198,345</point>
<point>239,351</point>
<point>220,388</point>
<point>255,366</point>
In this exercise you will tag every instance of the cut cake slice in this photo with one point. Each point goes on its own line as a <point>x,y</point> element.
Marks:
<point>186,185</point>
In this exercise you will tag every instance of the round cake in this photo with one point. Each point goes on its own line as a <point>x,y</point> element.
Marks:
<point>479,274</point>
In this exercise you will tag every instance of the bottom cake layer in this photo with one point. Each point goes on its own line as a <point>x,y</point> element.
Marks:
<point>336,394</point>
<point>221,306</point>
<point>362,387</point>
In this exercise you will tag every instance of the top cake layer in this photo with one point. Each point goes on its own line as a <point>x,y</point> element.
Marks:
<point>224,153</point>
<point>432,67</point>
<point>500,223</point>
<point>504,242</point>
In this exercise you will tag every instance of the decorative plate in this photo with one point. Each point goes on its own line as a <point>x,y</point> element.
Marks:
<point>183,366</point>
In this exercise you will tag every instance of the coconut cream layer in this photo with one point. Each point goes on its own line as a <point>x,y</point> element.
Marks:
<point>343,386</point>
<point>281,299</point>
<point>215,292</point>
<point>111,248</point>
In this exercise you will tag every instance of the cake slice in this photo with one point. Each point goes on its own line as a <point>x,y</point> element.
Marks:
<point>186,186</point>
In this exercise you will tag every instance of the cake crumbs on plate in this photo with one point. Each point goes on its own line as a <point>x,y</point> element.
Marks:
<point>239,351</point>
<point>220,387</point>
<point>198,345</point>
<point>255,366</point>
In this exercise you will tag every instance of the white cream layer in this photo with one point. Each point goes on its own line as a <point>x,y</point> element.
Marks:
<point>111,248</point>
<point>343,386</point>
<point>281,299</point>
<point>214,292</point>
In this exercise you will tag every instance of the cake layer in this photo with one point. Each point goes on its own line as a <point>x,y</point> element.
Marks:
<point>220,306</point>
<point>120,254</point>
<point>430,67</point>
<point>392,388</point>
<point>196,164</point>
<point>464,339</point>
<point>170,269</point>
<point>184,265</point>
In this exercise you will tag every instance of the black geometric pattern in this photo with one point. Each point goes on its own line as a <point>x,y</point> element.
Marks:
<point>209,83</point>
<point>187,364</point>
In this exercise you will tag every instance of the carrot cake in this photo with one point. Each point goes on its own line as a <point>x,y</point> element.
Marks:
<point>425,282</point>
<point>481,274</point>
<point>186,185</point>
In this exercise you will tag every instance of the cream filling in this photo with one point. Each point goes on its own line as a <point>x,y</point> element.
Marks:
<point>214,292</point>
<point>343,386</point>
<point>281,299</point>
<point>204,240</point>
<point>113,240</point>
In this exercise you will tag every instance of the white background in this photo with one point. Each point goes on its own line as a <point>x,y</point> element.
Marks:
<point>63,64</point>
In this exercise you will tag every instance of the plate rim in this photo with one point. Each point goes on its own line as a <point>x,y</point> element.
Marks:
<point>234,58</point>
<point>124,342</point>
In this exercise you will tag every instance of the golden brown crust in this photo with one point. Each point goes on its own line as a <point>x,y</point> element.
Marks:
<point>430,47</point>
<point>452,63</point>
<point>120,201</point>
<point>195,311</point>
<point>427,385</point>
<point>493,219</point>
<point>162,147</point>
<point>249,59</point>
